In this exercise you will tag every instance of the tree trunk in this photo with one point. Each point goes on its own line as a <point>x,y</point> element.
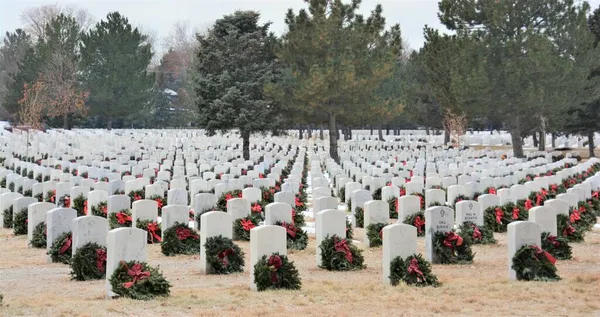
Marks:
<point>300,133</point>
<point>321,132</point>
<point>517,139</point>
<point>591,145</point>
<point>542,145</point>
<point>427,130</point>
<point>387,130</point>
<point>350,133</point>
<point>446,136</point>
<point>309,131</point>
<point>371,129</point>
<point>553,140</point>
<point>535,139</point>
<point>339,133</point>
<point>246,145</point>
<point>66,122</point>
<point>380,133</point>
<point>333,138</point>
<point>109,124</point>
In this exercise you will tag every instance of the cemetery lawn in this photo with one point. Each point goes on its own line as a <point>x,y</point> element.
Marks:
<point>32,287</point>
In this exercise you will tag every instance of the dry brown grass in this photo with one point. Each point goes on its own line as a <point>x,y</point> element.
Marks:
<point>31,287</point>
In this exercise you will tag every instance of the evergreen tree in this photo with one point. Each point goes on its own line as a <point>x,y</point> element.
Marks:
<point>235,62</point>
<point>14,47</point>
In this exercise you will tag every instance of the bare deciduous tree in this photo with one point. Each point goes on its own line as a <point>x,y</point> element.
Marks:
<point>35,19</point>
<point>457,125</point>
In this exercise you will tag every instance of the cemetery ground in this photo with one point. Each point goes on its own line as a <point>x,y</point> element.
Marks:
<point>32,287</point>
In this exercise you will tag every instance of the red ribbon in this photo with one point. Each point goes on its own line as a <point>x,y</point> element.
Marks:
<point>299,203</point>
<point>184,233</point>
<point>582,209</point>
<point>528,205</point>
<point>137,197</point>
<point>228,197</point>
<point>552,239</point>
<point>104,210</point>
<point>499,215</point>
<point>293,215</point>
<point>538,200</point>
<point>85,208</point>
<point>275,264</point>
<point>544,192</point>
<point>476,233</point>
<point>100,259</point>
<point>66,245</point>
<point>137,274</point>
<point>123,218</point>
<point>413,268</point>
<point>223,256</point>
<point>595,194</point>
<point>492,191</point>
<point>515,213</point>
<point>419,223</point>
<point>67,201</point>
<point>342,246</point>
<point>53,197</point>
<point>247,224</point>
<point>452,237</point>
<point>160,202</point>
<point>569,230</point>
<point>261,175</point>
<point>554,188</point>
<point>539,251</point>
<point>402,191</point>
<point>256,208</point>
<point>396,202</point>
<point>290,228</point>
<point>574,216</point>
<point>153,228</point>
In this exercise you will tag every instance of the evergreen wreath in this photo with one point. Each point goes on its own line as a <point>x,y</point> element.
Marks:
<point>50,196</point>
<point>180,239</point>
<point>393,205</point>
<point>80,204</point>
<point>339,254</point>
<point>453,248</point>
<point>257,211</point>
<point>377,194</point>
<point>39,197</point>
<point>276,272</point>
<point>20,222</point>
<point>415,270</point>
<point>100,209</point>
<point>138,280</point>
<point>242,227</point>
<point>152,228</point>
<point>136,195</point>
<point>224,256</point>
<point>557,246</point>
<point>64,201</point>
<point>38,237</point>
<point>531,263</point>
<point>11,186</point>
<point>198,216</point>
<point>349,230</point>
<point>297,239</point>
<point>28,193</point>
<point>298,217</point>
<point>89,262</point>
<point>434,204</point>
<point>587,215</point>
<point>300,202</point>
<point>479,235</point>
<point>567,230</point>
<point>418,220</point>
<point>61,249</point>
<point>342,194</point>
<point>161,201</point>
<point>119,219</point>
<point>459,198</point>
<point>374,233</point>
<point>222,201</point>
<point>359,215</point>
<point>8,218</point>
<point>515,212</point>
<point>496,218</point>
<point>421,198</point>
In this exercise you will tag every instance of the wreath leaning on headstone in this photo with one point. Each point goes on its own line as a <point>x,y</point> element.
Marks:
<point>297,239</point>
<point>38,237</point>
<point>100,209</point>
<point>349,230</point>
<point>152,228</point>
<point>415,270</point>
<point>138,280</point>
<point>496,218</point>
<point>567,230</point>
<point>479,235</point>
<point>61,249</point>
<point>161,201</point>
<point>276,272</point>
<point>557,246</point>
<point>418,220</point>
<point>374,233</point>
<point>119,219</point>
<point>180,239</point>
<point>89,262</point>
<point>531,263</point>
<point>242,227</point>
<point>20,222</point>
<point>359,215</point>
<point>8,217</point>
<point>458,199</point>
<point>393,206</point>
<point>80,204</point>
<point>224,256</point>
<point>453,248</point>
<point>338,254</point>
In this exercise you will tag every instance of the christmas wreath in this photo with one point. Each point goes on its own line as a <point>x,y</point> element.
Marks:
<point>418,220</point>
<point>161,201</point>
<point>349,230</point>
<point>38,237</point>
<point>11,186</point>
<point>222,201</point>
<point>338,254</point>
<point>20,222</point>
<point>8,217</point>
<point>121,218</point>
<point>459,198</point>
<point>587,215</point>
<point>138,280</point>
<point>393,205</point>
<point>276,272</point>
<point>268,195</point>
<point>515,212</point>
<point>39,197</point>
<point>297,239</point>
<point>415,270</point>
<point>479,235</point>
<point>28,193</point>
<point>242,227</point>
<point>50,197</point>
<point>89,262</point>
<point>374,233</point>
<point>531,263</point>
<point>80,204</point>
<point>256,211</point>
<point>359,215</point>
<point>434,204</point>
<point>60,251</point>
<point>496,218</point>
<point>180,239</point>
<point>298,217</point>
<point>538,198</point>
<point>342,194</point>
<point>153,229</point>
<point>300,202</point>
<point>453,248</point>
<point>422,199</point>
<point>567,230</point>
<point>224,256</point>
<point>100,209</point>
<point>377,194</point>
<point>198,216</point>
<point>490,191</point>
<point>557,246</point>
<point>64,201</point>
<point>136,195</point>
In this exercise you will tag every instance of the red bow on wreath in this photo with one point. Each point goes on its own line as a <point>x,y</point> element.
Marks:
<point>595,194</point>
<point>228,197</point>
<point>342,246</point>
<point>413,268</point>
<point>137,274</point>
<point>419,223</point>
<point>247,224</point>
<point>538,200</point>
<point>452,237</point>
<point>184,233</point>
<point>554,188</point>
<point>105,210</point>
<point>539,251</point>
<point>299,203</point>
<point>123,218</point>
<point>291,229</point>
<point>257,208</point>
<point>137,197</point>
<point>544,192</point>
<point>476,233</point>
<point>499,215</point>
<point>275,264</point>
<point>582,209</point>
<point>293,215</point>
<point>528,205</point>
<point>492,191</point>
<point>402,191</point>
<point>66,245</point>
<point>159,202</point>
<point>85,211</point>
<point>100,259</point>
<point>53,197</point>
<point>153,228</point>
<point>67,202</point>
<point>223,256</point>
<point>574,216</point>
<point>515,213</point>
<point>569,230</point>
<point>552,239</point>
